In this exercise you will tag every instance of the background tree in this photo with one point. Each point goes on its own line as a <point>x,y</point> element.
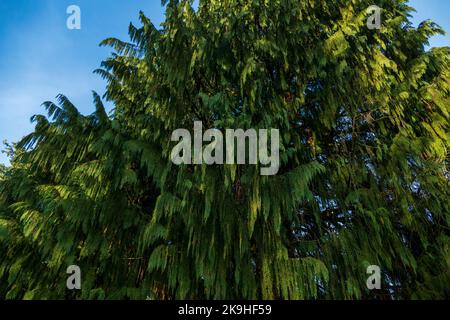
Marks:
<point>363,115</point>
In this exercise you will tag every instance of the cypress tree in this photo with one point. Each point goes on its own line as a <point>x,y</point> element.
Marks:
<point>363,117</point>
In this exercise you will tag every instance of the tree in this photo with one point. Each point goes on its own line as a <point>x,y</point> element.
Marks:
<point>363,117</point>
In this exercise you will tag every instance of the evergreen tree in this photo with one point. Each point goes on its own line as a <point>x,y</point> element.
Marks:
<point>363,118</point>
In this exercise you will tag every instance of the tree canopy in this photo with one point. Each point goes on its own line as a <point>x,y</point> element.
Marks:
<point>363,117</point>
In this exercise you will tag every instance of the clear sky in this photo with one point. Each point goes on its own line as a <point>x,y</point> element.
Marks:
<point>40,57</point>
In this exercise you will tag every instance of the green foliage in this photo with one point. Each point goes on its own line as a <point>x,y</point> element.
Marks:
<point>364,118</point>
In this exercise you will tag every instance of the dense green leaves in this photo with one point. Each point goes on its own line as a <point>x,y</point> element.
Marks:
<point>363,118</point>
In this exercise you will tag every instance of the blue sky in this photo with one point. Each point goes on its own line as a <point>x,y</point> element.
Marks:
<point>40,57</point>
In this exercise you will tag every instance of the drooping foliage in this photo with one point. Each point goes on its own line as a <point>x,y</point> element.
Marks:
<point>363,118</point>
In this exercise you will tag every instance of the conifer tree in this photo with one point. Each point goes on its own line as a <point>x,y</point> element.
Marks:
<point>363,118</point>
